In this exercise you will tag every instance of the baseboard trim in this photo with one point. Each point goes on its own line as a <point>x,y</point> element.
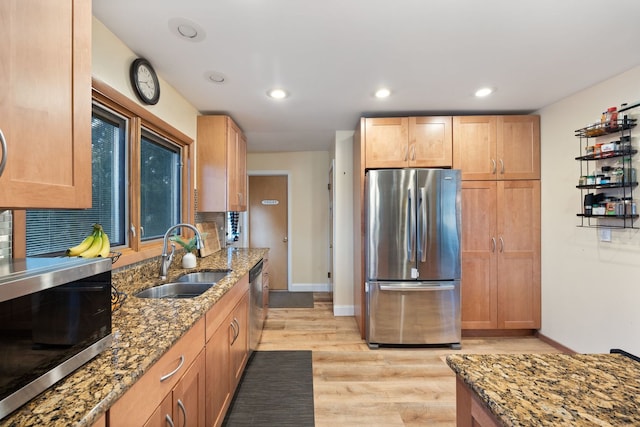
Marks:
<point>491,333</point>
<point>309,287</point>
<point>343,310</point>
<point>553,343</point>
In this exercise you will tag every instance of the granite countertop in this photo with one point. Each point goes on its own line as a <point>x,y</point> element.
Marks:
<point>554,389</point>
<point>143,330</point>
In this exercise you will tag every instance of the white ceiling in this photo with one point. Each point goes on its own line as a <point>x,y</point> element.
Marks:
<point>331,55</point>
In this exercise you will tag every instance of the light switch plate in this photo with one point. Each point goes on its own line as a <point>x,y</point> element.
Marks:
<point>605,234</point>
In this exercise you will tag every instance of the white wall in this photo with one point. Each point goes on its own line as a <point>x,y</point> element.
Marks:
<point>110,64</point>
<point>343,225</point>
<point>309,206</point>
<point>590,289</point>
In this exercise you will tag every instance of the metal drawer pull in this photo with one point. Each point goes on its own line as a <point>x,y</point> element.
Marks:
<point>172,373</point>
<point>494,166</point>
<point>169,420</point>
<point>184,412</point>
<point>416,288</point>
<point>236,332</point>
<point>3,143</point>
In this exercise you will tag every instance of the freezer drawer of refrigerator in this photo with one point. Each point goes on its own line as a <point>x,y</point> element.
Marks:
<point>413,313</point>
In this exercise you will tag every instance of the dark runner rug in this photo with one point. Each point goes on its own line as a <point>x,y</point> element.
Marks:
<point>286,299</point>
<point>276,390</point>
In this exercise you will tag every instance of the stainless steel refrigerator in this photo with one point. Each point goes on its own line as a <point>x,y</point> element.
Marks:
<point>412,257</point>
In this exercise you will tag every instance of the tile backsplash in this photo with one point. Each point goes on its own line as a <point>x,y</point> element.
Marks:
<point>5,234</point>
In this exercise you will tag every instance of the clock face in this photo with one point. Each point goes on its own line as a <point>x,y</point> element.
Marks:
<point>144,81</point>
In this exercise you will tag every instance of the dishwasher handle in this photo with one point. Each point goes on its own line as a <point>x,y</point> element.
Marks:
<point>417,288</point>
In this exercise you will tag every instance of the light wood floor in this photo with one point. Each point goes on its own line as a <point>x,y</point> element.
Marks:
<point>356,386</point>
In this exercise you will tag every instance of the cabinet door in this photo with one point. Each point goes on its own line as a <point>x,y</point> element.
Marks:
<point>518,147</point>
<point>479,285</point>
<point>241,173</point>
<point>222,165</point>
<point>218,381</point>
<point>189,396</point>
<point>474,147</point>
<point>233,147</point>
<point>240,345</point>
<point>518,215</point>
<point>162,416</point>
<point>430,142</point>
<point>386,142</point>
<point>45,113</point>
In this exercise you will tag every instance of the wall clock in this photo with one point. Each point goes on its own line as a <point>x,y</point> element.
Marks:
<point>145,81</point>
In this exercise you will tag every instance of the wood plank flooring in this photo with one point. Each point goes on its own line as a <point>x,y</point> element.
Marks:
<point>356,386</point>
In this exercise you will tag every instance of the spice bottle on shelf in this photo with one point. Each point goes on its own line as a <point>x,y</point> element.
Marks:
<point>629,206</point>
<point>625,117</point>
<point>612,118</point>
<point>629,171</point>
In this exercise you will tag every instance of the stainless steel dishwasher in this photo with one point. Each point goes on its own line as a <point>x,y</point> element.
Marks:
<point>256,318</point>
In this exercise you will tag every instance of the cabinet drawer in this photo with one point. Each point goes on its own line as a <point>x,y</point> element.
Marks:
<point>216,315</point>
<point>137,404</point>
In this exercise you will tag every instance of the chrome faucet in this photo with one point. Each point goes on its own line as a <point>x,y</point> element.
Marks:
<point>165,260</point>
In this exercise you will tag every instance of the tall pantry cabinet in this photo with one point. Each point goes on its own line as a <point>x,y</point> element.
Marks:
<point>499,157</point>
<point>45,113</point>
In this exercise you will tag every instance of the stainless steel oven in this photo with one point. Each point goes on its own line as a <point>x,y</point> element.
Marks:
<point>55,315</point>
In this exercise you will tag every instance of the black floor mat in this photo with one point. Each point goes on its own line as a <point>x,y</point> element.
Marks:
<point>276,390</point>
<point>285,299</point>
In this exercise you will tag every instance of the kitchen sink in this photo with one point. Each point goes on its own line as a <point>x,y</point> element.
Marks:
<point>204,276</point>
<point>176,290</point>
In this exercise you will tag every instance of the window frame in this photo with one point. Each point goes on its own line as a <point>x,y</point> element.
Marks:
<point>138,118</point>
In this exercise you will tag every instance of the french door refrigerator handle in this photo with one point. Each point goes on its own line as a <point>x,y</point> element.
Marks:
<point>411,234</point>
<point>424,224</point>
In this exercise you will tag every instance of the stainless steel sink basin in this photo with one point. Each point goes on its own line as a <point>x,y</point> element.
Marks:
<point>204,276</point>
<point>175,290</point>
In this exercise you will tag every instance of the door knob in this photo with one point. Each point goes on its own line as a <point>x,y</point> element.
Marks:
<point>286,239</point>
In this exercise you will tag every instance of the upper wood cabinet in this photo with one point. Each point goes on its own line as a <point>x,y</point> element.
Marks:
<point>497,147</point>
<point>392,142</point>
<point>501,254</point>
<point>45,113</point>
<point>221,165</point>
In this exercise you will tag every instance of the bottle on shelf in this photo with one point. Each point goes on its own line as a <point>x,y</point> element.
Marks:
<point>629,176</point>
<point>612,118</point>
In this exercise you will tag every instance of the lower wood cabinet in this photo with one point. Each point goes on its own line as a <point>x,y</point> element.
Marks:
<point>226,350</point>
<point>193,383</point>
<point>184,406</point>
<point>470,412</point>
<point>173,386</point>
<point>500,255</point>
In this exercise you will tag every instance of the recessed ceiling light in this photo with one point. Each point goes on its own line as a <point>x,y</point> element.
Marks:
<point>383,93</point>
<point>277,94</point>
<point>215,77</point>
<point>186,30</point>
<point>485,91</point>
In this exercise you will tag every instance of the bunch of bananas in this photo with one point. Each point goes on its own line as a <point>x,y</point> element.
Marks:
<point>95,245</point>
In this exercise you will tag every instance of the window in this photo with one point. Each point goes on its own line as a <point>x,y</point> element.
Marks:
<point>159,186</point>
<point>139,187</point>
